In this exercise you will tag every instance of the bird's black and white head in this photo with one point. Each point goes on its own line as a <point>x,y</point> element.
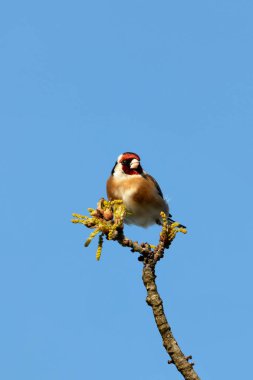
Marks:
<point>128,163</point>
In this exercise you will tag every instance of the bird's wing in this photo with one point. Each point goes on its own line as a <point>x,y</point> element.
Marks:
<point>150,178</point>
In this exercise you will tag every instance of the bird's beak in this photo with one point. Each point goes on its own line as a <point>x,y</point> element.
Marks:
<point>134,164</point>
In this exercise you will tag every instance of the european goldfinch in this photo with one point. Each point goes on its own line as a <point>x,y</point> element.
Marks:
<point>138,190</point>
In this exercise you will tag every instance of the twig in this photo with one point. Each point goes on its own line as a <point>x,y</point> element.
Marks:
<point>170,344</point>
<point>108,219</point>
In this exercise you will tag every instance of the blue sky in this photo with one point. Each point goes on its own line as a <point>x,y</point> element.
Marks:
<point>81,82</point>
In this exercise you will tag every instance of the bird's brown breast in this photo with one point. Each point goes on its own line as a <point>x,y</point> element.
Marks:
<point>140,196</point>
<point>135,189</point>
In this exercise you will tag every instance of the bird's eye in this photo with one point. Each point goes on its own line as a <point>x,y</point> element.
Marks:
<point>125,162</point>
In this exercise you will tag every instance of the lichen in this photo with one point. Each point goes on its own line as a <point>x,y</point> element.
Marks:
<point>108,220</point>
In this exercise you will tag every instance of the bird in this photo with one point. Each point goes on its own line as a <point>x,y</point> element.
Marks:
<point>138,190</point>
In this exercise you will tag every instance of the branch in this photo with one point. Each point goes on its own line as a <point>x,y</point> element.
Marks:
<point>108,220</point>
<point>170,344</point>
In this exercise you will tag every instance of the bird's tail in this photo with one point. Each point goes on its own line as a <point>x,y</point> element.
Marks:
<point>170,220</point>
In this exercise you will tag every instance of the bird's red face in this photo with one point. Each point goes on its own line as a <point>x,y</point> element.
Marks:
<point>130,163</point>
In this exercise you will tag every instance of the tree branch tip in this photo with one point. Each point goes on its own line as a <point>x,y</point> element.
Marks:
<point>108,219</point>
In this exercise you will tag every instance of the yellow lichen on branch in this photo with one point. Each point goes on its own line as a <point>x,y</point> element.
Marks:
<point>108,219</point>
<point>170,229</point>
<point>92,235</point>
<point>100,246</point>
